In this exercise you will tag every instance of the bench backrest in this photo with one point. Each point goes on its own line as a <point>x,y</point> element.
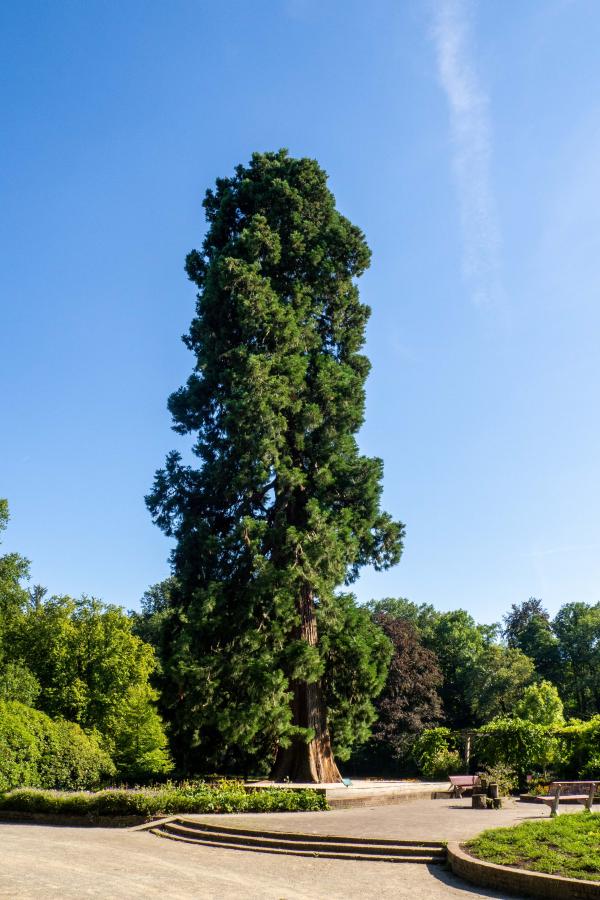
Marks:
<point>463,780</point>
<point>569,788</point>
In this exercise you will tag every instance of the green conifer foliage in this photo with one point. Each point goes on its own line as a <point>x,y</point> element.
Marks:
<point>282,508</point>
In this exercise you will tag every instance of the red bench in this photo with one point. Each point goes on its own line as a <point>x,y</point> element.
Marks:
<point>580,791</point>
<point>461,782</point>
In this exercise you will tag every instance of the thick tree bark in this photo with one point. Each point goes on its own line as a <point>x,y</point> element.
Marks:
<point>312,762</point>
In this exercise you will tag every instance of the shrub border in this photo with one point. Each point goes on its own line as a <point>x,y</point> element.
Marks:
<point>519,881</point>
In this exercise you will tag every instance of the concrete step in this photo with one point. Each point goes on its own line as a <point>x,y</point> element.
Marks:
<point>298,836</point>
<point>312,854</point>
<point>315,843</point>
<point>327,846</point>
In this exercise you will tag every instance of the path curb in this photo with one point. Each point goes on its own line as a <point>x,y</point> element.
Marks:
<point>519,881</point>
<point>382,798</point>
<point>71,820</point>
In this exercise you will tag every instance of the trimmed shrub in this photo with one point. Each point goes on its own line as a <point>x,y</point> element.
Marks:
<point>504,777</point>
<point>36,751</point>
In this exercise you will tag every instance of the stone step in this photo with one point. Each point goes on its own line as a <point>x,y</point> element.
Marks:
<point>299,836</point>
<point>317,843</point>
<point>312,854</point>
<point>330,846</point>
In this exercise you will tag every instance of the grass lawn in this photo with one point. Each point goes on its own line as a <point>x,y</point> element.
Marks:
<point>567,845</point>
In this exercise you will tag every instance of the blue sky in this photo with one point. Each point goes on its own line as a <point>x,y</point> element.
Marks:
<point>463,137</point>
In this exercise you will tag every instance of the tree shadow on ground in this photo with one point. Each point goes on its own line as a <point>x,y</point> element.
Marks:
<point>447,877</point>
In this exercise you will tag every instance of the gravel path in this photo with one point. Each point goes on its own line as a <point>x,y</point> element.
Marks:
<point>51,862</point>
<point>56,863</point>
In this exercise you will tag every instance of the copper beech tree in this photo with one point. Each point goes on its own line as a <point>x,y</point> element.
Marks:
<point>264,659</point>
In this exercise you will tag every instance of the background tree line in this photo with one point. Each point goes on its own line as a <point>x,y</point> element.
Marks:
<point>102,669</point>
<point>254,653</point>
<point>79,662</point>
<point>449,670</point>
<point>445,669</point>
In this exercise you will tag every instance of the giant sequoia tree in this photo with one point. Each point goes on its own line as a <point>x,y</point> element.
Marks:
<point>261,656</point>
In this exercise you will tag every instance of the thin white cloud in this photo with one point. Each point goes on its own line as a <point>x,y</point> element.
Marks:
<point>472,149</point>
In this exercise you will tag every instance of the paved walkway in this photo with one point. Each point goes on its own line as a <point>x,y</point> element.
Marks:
<point>420,820</point>
<point>39,861</point>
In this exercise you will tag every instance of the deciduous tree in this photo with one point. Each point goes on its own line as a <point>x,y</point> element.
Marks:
<point>80,661</point>
<point>577,629</point>
<point>527,627</point>
<point>499,677</point>
<point>541,703</point>
<point>410,701</point>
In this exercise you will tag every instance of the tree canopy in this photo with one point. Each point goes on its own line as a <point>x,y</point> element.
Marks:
<point>80,661</point>
<point>410,701</point>
<point>527,627</point>
<point>14,569</point>
<point>541,704</point>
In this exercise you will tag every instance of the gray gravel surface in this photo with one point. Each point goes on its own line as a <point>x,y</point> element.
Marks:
<point>41,861</point>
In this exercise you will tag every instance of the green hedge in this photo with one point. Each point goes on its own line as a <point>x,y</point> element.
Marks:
<point>572,750</point>
<point>436,754</point>
<point>36,751</point>
<point>522,746</point>
<point>227,796</point>
<point>579,747</point>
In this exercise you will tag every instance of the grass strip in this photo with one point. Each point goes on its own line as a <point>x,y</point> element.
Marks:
<point>567,845</point>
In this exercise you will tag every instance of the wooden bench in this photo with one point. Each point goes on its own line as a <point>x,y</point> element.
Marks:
<point>579,791</point>
<point>460,783</point>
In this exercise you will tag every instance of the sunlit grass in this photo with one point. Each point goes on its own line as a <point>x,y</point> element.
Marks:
<point>567,845</point>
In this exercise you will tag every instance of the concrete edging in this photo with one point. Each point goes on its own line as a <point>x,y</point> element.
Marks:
<point>381,798</point>
<point>71,820</point>
<point>518,881</point>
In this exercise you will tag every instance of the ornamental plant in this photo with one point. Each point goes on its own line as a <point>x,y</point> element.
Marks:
<point>436,754</point>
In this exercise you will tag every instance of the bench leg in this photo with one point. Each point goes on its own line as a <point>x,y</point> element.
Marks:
<point>590,800</point>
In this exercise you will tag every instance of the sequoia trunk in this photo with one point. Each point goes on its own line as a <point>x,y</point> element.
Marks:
<point>302,761</point>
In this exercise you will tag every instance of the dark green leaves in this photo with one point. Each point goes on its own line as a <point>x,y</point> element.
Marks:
<point>281,503</point>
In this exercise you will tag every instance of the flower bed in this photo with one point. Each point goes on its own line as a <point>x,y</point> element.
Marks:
<point>168,799</point>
